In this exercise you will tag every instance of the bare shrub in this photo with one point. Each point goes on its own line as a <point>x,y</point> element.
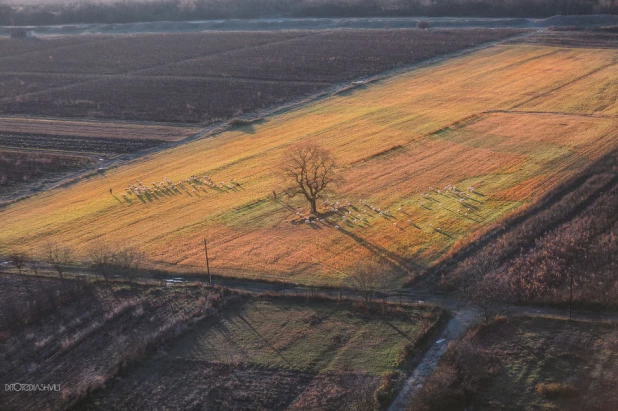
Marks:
<point>462,370</point>
<point>387,390</point>
<point>554,389</point>
<point>59,257</point>
<point>423,24</point>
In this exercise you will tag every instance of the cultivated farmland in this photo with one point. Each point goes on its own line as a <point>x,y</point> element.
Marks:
<point>21,167</point>
<point>35,152</point>
<point>184,78</point>
<point>80,335</point>
<point>86,136</point>
<point>429,157</point>
<point>204,77</point>
<point>276,354</point>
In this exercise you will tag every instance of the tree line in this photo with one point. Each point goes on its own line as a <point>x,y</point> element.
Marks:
<point>177,10</point>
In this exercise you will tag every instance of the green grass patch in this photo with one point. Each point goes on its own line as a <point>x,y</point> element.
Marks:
<point>308,336</point>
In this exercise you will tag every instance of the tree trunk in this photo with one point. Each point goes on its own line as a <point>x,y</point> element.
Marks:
<point>314,209</point>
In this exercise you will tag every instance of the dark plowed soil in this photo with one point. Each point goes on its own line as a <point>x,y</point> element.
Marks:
<point>74,143</point>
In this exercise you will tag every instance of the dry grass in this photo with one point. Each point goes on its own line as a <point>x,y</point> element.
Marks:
<point>84,339</point>
<point>18,168</point>
<point>275,354</point>
<point>394,139</point>
<point>536,363</point>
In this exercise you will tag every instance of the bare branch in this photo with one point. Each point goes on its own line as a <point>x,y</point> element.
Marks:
<point>309,170</point>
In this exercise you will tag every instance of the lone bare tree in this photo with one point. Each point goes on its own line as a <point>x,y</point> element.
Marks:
<point>309,169</point>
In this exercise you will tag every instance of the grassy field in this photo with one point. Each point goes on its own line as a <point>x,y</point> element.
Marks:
<point>310,337</point>
<point>528,364</point>
<point>533,254</point>
<point>275,354</point>
<point>459,123</point>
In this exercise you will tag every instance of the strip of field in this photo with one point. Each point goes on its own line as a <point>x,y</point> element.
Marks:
<point>35,152</point>
<point>586,39</point>
<point>281,354</point>
<point>119,54</point>
<point>593,94</point>
<point>395,139</point>
<point>185,100</point>
<point>20,167</point>
<point>538,255</point>
<point>16,47</point>
<point>15,84</point>
<point>93,129</point>
<point>332,56</point>
<point>205,77</point>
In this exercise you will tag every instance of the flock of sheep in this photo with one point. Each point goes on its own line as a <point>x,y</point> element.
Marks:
<point>191,184</point>
<point>338,213</point>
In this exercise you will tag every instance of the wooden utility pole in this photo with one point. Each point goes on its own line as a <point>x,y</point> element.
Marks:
<point>571,295</point>
<point>207,265</point>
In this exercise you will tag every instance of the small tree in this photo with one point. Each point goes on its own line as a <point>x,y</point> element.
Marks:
<point>483,287</point>
<point>129,259</point>
<point>309,169</point>
<point>19,260</point>
<point>102,259</point>
<point>35,266</point>
<point>367,279</point>
<point>423,24</point>
<point>60,258</point>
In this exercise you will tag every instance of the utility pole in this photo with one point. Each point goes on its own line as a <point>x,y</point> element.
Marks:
<point>571,295</point>
<point>207,265</point>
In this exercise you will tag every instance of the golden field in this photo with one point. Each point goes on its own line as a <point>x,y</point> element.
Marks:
<point>508,121</point>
